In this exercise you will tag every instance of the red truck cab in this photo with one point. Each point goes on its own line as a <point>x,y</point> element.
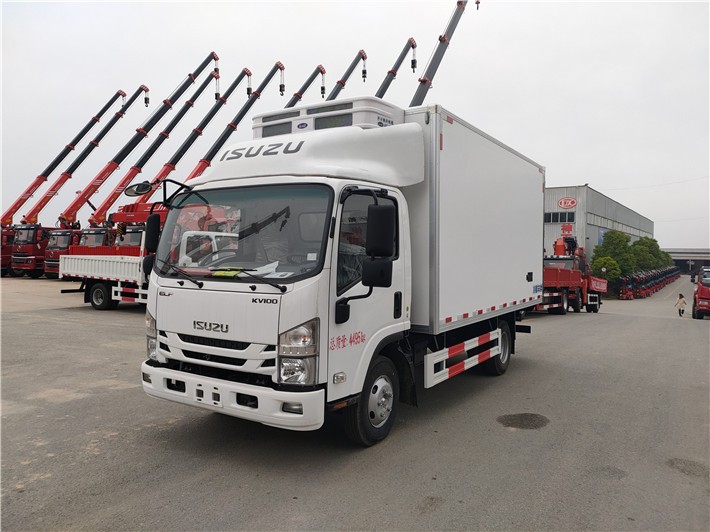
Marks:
<point>701,295</point>
<point>29,248</point>
<point>59,242</point>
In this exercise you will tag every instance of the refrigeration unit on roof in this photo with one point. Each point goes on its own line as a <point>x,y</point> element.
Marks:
<point>365,112</point>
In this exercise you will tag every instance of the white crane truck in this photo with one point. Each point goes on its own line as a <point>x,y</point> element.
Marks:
<point>375,251</point>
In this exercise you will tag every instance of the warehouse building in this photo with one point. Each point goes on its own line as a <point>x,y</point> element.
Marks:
<point>586,214</point>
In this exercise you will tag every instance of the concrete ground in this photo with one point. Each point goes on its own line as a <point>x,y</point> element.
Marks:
<point>601,423</point>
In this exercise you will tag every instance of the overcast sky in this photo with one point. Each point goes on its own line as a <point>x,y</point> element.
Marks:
<point>611,94</point>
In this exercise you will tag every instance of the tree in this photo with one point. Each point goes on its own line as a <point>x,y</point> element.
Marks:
<point>615,244</point>
<point>606,268</point>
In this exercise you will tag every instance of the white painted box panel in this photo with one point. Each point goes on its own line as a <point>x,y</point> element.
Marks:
<point>114,268</point>
<point>476,226</point>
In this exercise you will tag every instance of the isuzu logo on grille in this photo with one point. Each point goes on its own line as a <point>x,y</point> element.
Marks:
<point>210,326</point>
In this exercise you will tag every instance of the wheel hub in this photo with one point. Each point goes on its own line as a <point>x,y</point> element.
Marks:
<point>379,404</point>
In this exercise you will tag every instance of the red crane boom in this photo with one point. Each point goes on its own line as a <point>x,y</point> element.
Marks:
<point>31,216</point>
<point>67,218</point>
<point>41,178</point>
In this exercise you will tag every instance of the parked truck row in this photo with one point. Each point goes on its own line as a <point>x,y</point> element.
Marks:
<point>646,283</point>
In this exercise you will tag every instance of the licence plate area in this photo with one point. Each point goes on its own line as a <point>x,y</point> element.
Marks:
<point>210,394</point>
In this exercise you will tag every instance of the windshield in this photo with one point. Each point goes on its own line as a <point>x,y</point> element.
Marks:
<point>92,239</point>
<point>132,238</point>
<point>59,241</point>
<point>24,236</point>
<point>277,232</point>
<point>560,264</point>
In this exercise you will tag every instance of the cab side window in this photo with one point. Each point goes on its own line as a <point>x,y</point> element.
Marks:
<point>351,240</point>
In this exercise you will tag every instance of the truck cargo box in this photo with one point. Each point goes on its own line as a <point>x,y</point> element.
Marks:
<point>476,226</point>
<point>123,268</point>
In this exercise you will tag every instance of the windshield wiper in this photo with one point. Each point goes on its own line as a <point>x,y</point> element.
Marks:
<point>182,273</point>
<point>246,271</point>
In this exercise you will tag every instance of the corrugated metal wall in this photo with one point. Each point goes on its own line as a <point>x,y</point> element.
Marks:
<point>594,215</point>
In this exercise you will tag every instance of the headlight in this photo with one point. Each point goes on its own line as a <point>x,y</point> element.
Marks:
<point>298,370</point>
<point>151,337</point>
<point>298,354</point>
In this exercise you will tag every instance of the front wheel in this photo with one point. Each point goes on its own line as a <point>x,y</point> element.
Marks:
<point>499,364</point>
<point>12,272</point>
<point>35,274</point>
<point>577,301</point>
<point>371,419</point>
<point>100,296</point>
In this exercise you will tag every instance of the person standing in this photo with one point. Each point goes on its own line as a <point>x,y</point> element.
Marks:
<point>680,305</point>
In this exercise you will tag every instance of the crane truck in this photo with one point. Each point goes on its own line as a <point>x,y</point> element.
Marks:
<point>31,238</point>
<point>8,231</point>
<point>109,274</point>
<point>101,231</point>
<point>567,281</point>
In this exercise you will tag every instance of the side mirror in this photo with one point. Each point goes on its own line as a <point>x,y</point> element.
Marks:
<point>138,189</point>
<point>152,233</point>
<point>148,265</point>
<point>377,273</point>
<point>381,227</point>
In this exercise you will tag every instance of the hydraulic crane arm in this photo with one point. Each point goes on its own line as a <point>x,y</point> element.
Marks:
<point>195,134</point>
<point>411,45</point>
<point>435,61</point>
<point>298,95</point>
<point>232,126</point>
<point>100,212</point>
<point>41,178</point>
<point>68,217</point>
<point>31,216</point>
<point>340,85</point>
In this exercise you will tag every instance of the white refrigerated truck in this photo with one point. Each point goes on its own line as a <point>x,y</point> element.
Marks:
<point>378,251</point>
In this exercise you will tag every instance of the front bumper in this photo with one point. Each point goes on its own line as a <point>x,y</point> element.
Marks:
<point>254,403</point>
<point>26,263</point>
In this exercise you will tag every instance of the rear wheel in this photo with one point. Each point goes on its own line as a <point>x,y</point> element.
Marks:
<point>697,315</point>
<point>499,364</point>
<point>100,296</point>
<point>371,419</point>
<point>577,301</point>
<point>563,309</point>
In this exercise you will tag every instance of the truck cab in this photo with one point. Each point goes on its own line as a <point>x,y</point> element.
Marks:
<point>8,238</point>
<point>58,245</point>
<point>28,249</point>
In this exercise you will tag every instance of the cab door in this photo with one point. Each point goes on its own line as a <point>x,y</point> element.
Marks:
<point>373,318</point>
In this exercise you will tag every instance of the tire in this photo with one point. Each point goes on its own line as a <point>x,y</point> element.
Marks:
<point>563,309</point>
<point>577,302</point>
<point>100,296</point>
<point>3,272</point>
<point>51,275</point>
<point>499,364</point>
<point>697,315</point>
<point>370,420</point>
<point>15,273</point>
<point>35,274</point>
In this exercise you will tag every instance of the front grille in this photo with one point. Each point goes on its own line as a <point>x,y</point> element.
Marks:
<point>214,358</point>
<point>214,342</point>
<point>20,254</point>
